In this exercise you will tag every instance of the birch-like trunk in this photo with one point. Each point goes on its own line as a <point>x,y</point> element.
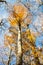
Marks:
<point>19,47</point>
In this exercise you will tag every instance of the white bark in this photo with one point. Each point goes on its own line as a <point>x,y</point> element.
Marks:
<point>19,42</point>
<point>19,48</point>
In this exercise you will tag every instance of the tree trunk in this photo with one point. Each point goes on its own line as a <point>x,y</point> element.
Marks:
<point>9,57</point>
<point>19,46</point>
<point>3,1</point>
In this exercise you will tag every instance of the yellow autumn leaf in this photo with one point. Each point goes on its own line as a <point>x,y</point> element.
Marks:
<point>21,10</point>
<point>9,39</point>
<point>12,21</point>
<point>33,38</point>
<point>30,36</point>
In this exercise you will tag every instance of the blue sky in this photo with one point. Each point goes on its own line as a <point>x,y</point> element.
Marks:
<point>39,41</point>
<point>11,1</point>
